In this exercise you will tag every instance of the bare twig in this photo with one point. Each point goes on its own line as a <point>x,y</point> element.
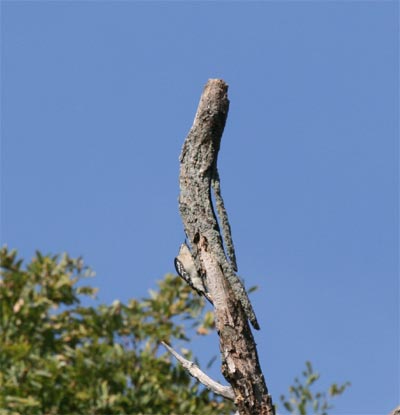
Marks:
<point>194,370</point>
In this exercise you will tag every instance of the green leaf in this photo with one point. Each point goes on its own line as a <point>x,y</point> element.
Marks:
<point>100,359</point>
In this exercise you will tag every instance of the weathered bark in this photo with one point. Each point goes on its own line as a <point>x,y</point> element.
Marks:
<point>198,173</point>
<point>395,411</point>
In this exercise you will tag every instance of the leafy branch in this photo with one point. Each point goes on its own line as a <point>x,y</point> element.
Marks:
<point>301,398</point>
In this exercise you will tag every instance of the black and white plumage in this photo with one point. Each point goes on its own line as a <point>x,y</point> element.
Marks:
<point>186,269</point>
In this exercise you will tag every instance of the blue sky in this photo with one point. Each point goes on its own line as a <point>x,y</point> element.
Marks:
<point>97,98</point>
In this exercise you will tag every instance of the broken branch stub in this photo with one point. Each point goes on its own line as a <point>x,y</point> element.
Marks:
<point>232,307</point>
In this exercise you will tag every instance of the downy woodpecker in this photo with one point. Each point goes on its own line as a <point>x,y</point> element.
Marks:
<point>186,269</point>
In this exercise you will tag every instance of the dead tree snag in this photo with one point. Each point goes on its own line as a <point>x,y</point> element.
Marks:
<point>214,254</point>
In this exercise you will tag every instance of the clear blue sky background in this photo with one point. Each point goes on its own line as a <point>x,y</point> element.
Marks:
<point>97,98</point>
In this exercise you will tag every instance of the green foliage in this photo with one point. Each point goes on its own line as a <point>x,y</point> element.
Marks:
<point>60,357</point>
<point>303,401</point>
